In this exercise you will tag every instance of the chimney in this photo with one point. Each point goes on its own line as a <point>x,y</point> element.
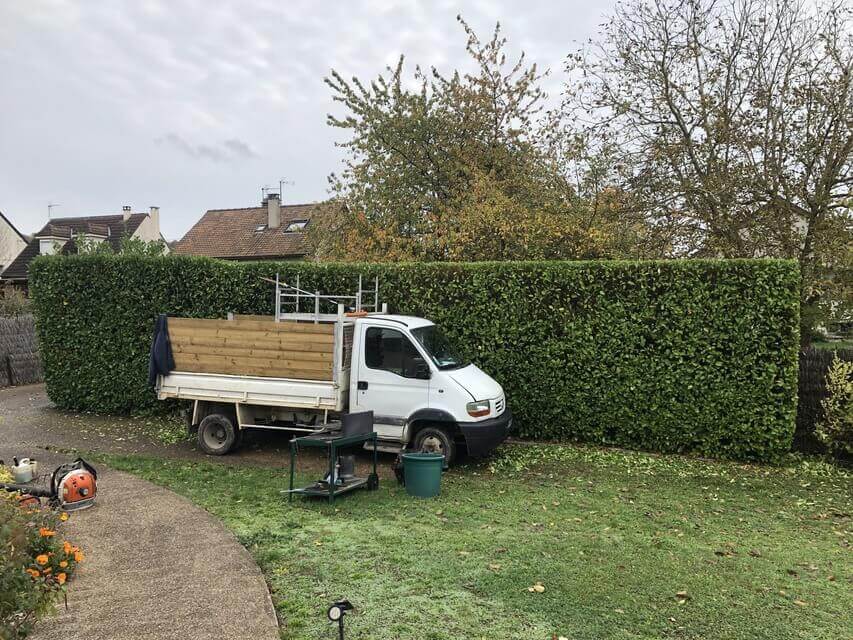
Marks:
<point>125,213</point>
<point>273,210</point>
<point>154,214</point>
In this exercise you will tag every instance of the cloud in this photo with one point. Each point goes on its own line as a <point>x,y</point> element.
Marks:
<point>229,150</point>
<point>232,92</point>
<point>239,148</point>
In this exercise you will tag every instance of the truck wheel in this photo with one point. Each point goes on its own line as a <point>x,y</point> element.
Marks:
<point>216,435</point>
<point>436,440</point>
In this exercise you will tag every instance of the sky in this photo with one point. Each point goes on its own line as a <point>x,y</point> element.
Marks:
<point>192,105</point>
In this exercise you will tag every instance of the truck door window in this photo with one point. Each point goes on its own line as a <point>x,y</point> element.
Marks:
<point>390,350</point>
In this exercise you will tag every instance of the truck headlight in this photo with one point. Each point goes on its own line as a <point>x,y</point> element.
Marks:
<point>478,409</point>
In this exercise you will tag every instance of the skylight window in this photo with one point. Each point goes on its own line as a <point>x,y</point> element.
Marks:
<point>295,225</point>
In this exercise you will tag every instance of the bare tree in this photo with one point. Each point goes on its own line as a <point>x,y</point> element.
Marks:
<point>733,122</point>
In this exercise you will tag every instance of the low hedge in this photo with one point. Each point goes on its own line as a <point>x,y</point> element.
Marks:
<point>696,355</point>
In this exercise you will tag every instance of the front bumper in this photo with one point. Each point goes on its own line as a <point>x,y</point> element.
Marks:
<point>483,437</point>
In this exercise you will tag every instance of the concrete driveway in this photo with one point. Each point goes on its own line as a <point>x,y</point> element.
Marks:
<point>156,565</point>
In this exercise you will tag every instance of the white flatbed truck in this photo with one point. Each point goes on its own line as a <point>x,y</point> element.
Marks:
<point>300,370</point>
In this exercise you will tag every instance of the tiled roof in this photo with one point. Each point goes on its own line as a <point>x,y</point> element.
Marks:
<point>112,226</point>
<point>233,233</point>
<point>55,231</point>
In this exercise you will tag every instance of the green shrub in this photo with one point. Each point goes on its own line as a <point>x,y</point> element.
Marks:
<point>13,302</point>
<point>665,355</point>
<point>835,430</point>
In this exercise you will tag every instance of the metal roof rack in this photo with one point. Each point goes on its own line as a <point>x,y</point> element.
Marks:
<point>292,302</point>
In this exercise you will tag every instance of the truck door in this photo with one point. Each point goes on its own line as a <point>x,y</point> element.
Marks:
<point>393,379</point>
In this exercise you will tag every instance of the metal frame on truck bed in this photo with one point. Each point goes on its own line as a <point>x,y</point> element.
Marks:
<point>324,394</point>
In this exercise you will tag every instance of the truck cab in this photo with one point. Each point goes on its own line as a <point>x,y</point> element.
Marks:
<point>423,394</point>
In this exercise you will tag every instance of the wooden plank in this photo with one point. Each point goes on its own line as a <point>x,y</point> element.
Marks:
<point>261,373</point>
<point>256,325</point>
<point>247,334</point>
<point>252,352</point>
<point>224,367</point>
<point>239,343</point>
<point>183,359</point>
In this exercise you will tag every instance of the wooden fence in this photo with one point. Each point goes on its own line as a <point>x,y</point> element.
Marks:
<point>19,358</point>
<point>814,364</point>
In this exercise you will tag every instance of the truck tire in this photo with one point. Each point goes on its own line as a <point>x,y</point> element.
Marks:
<point>436,440</point>
<point>217,435</point>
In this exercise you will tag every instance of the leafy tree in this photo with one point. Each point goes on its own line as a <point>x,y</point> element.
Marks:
<point>732,122</point>
<point>133,246</point>
<point>128,245</point>
<point>451,168</point>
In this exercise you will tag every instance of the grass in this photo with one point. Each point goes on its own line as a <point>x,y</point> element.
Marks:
<point>627,545</point>
<point>833,345</point>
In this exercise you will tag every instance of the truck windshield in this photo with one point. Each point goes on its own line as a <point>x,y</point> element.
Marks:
<point>439,348</point>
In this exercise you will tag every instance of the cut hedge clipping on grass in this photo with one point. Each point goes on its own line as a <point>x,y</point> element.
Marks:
<point>697,355</point>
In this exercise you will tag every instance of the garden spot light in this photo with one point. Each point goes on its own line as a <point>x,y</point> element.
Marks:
<point>478,409</point>
<point>336,614</point>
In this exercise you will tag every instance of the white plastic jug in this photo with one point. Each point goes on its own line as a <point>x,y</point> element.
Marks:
<point>23,471</point>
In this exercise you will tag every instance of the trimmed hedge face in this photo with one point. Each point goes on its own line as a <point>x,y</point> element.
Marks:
<point>667,355</point>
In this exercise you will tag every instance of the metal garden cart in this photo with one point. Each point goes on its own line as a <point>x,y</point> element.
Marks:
<point>334,443</point>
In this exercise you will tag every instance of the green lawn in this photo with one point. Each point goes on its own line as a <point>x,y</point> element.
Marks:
<point>627,545</point>
<point>834,346</point>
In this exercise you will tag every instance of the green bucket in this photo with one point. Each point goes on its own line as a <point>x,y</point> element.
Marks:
<point>423,474</point>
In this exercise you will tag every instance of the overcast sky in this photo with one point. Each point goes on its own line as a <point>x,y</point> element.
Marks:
<point>195,105</point>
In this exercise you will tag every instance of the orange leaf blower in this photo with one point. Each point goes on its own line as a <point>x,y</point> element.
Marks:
<point>72,486</point>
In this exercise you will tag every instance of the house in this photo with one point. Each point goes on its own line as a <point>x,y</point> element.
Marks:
<point>12,242</point>
<point>59,236</point>
<point>268,232</point>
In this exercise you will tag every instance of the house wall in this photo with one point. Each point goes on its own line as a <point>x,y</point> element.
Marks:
<point>149,230</point>
<point>10,244</point>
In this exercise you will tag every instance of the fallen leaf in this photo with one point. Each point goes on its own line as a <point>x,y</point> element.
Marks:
<point>755,553</point>
<point>682,595</point>
<point>801,603</point>
<point>494,567</point>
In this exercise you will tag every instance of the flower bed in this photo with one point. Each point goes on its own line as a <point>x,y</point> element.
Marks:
<point>35,563</point>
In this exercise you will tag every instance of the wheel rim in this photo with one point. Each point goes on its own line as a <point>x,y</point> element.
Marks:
<point>433,444</point>
<point>215,437</point>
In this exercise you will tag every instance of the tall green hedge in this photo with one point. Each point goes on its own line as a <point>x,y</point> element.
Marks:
<point>668,355</point>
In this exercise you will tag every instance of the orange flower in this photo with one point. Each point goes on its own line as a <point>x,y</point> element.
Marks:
<point>63,564</point>
<point>60,578</point>
<point>66,547</point>
<point>47,571</point>
<point>44,532</point>
<point>41,559</point>
<point>34,572</point>
<point>63,516</point>
<point>78,556</point>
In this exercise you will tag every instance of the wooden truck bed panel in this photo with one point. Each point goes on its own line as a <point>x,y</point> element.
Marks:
<point>260,348</point>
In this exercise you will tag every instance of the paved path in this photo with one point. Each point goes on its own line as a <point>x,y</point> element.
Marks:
<point>156,565</point>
